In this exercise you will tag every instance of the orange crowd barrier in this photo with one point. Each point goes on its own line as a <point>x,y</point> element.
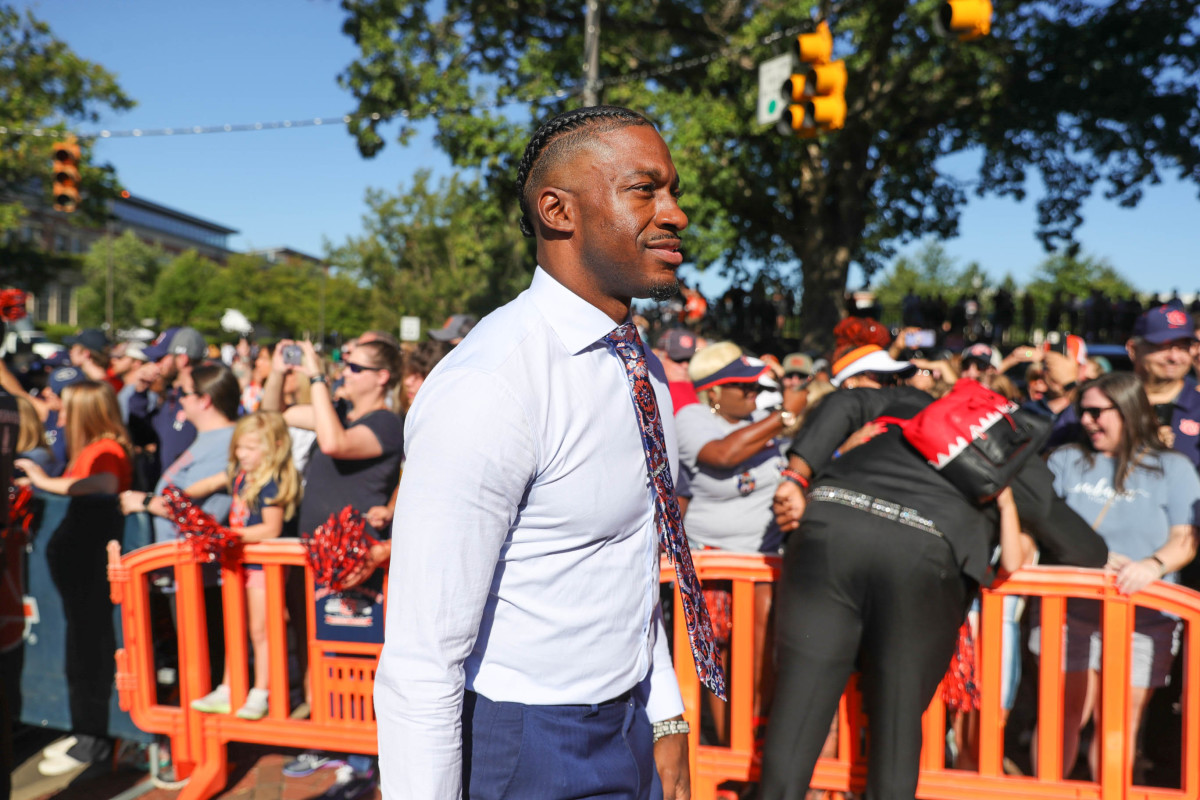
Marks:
<point>342,676</point>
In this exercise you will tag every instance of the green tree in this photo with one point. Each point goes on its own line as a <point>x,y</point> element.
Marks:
<point>135,267</point>
<point>188,292</point>
<point>1070,274</point>
<point>1086,93</point>
<point>435,250</point>
<point>931,271</point>
<point>45,86</point>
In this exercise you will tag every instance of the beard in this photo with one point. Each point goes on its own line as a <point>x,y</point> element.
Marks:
<point>661,292</point>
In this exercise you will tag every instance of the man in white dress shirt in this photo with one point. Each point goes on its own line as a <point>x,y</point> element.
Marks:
<point>525,654</point>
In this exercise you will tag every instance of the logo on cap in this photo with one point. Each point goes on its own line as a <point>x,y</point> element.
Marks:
<point>1176,318</point>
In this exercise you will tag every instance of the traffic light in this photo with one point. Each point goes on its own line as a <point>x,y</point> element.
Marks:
<point>66,176</point>
<point>966,19</point>
<point>817,96</point>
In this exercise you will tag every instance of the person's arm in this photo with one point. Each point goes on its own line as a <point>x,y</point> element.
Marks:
<point>444,560</point>
<point>1012,548</point>
<point>742,444</point>
<point>272,393</point>
<point>336,441</point>
<point>206,486</point>
<point>1064,536</point>
<point>11,384</point>
<point>1176,554</point>
<point>269,528</point>
<point>99,483</point>
<point>663,702</point>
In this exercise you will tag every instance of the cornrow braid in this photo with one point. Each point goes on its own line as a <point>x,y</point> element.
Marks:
<point>553,133</point>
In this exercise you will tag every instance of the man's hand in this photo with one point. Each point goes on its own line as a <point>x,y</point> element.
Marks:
<point>788,506</point>
<point>671,761</point>
<point>674,371</point>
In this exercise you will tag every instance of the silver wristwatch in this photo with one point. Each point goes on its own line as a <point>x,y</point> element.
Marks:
<point>667,727</point>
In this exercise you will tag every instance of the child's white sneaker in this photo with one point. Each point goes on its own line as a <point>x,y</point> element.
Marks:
<point>255,706</point>
<point>215,702</point>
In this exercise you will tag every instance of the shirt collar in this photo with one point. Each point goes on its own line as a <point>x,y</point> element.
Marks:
<point>577,323</point>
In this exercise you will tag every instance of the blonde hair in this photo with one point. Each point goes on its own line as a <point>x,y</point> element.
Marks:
<point>33,433</point>
<point>276,465</point>
<point>92,415</point>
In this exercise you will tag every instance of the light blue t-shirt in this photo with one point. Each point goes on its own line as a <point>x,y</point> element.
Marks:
<point>207,455</point>
<point>1138,522</point>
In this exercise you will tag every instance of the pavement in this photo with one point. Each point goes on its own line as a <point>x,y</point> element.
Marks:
<point>255,773</point>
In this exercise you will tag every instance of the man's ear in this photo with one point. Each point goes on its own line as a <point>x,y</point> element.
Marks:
<point>556,209</point>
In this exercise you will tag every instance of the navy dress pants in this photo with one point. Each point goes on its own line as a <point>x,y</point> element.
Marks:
<point>856,586</point>
<point>512,750</point>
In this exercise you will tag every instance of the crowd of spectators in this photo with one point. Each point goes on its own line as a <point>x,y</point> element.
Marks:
<point>271,438</point>
<point>131,417</point>
<point>1121,439</point>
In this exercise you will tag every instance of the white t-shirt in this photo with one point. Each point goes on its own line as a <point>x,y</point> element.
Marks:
<point>730,509</point>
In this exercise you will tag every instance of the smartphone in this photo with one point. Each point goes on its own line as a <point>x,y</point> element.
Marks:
<point>292,354</point>
<point>915,340</point>
<point>1056,343</point>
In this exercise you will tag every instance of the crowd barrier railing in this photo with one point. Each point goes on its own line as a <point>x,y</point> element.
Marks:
<point>343,676</point>
<point>713,765</point>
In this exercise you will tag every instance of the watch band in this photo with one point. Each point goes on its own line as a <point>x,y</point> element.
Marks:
<point>146,500</point>
<point>667,727</point>
<point>316,379</point>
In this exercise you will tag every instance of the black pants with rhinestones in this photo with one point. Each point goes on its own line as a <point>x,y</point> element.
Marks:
<point>858,590</point>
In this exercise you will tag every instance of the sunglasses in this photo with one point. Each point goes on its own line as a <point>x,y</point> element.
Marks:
<point>751,388</point>
<point>357,368</point>
<point>1093,411</point>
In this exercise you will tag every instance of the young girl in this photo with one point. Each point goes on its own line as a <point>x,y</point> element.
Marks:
<point>266,492</point>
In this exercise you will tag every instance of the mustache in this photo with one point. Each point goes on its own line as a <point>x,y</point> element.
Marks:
<point>665,237</point>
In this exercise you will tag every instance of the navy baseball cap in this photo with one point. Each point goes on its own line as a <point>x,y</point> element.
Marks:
<point>63,377</point>
<point>679,344</point>
<point>91,338</point>
<point>1163,324</point>
<point>160,346</point>
<point>742,370</point>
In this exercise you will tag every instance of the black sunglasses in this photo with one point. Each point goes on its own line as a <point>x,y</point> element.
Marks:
<point>357,368</point>
<point>1093,411</point>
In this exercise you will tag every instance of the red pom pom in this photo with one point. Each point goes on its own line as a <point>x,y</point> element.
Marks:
<point>339,548</point>
<point>20,513</point>
<point>959,690</point>
<point>210,540</point>
<point>12,305</point>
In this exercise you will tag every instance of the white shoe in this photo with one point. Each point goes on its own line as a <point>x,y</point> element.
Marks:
<point>58,748</point>
<point>60,764</point>
<point>215,702</point>
<point>255,706</point>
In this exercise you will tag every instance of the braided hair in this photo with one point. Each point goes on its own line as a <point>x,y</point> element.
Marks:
<point>561,136</point>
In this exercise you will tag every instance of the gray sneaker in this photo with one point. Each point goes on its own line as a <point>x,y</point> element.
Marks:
<point>309,762</point>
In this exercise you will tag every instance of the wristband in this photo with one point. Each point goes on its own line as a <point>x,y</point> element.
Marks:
<point>667,727</point>
<point>146,500</point>
<point>795,477</point>
<point>315,379</point>
<point>1162,566</point>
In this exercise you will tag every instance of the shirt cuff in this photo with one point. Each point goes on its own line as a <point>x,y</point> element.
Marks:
<point>660,689</point>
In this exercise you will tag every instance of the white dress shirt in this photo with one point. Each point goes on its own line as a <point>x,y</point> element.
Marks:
<point>524,555</point>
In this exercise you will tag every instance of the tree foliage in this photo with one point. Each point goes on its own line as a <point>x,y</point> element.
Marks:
<point>1088,94</point>
<point>135,266</point>
<point>45,86</point>
<point>433,250</point>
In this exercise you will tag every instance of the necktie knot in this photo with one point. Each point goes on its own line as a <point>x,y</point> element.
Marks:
<point>624,334</point>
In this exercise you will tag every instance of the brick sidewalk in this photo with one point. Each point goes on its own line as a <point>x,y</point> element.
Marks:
<point>255,773</point>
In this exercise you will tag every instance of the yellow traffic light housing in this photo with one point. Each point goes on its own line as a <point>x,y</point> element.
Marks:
<point>815,48</point>
<point>826,88</point>
<point>966,19</point>
<point>66,176</point>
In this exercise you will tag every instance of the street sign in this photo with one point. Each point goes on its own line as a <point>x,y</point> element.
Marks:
<point>771,75</point>
<point>410,329</point>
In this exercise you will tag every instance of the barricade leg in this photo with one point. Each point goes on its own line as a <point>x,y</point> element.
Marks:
<point>212,773</point>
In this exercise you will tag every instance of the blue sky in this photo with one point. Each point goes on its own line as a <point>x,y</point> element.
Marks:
<point>234,61</point>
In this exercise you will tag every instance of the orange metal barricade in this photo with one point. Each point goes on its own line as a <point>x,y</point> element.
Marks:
<point>738,761</point>
<point>342,679</point>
